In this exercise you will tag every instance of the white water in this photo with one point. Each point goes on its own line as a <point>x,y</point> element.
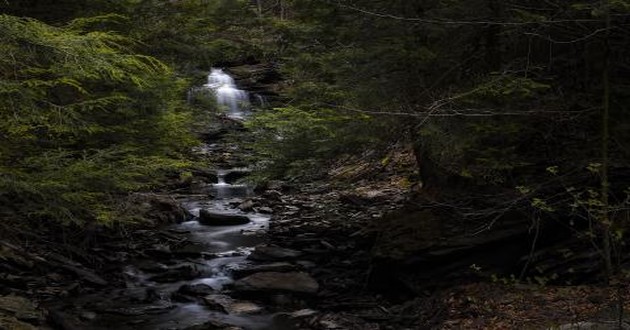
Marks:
<point>227,94</point>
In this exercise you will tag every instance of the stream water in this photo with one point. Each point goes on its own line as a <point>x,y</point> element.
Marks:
<point>150,299</point>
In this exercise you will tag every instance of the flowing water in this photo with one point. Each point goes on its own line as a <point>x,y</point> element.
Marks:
<point>227,93</point>
<point>147,301</point>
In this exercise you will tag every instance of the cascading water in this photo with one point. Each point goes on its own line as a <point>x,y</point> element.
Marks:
<point>227,94</point>
<point>152,298</point>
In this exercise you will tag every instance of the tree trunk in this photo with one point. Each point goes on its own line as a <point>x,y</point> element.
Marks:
<point>605,184</point>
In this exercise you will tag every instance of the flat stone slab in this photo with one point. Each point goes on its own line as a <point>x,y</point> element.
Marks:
<point>228,305</point>
<point>210,218</point>
<point>296,282</point>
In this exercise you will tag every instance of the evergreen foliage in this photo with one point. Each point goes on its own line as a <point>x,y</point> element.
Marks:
<point>83,120</point>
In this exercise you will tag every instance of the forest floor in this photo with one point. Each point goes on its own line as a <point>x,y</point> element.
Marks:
<point>341,236</point>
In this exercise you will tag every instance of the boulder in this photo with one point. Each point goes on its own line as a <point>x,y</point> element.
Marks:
<point>273,253</point>
<point>210,218</point>
<point>246,206</point>
<point>20,308</point>
<point>228,305</point>
<point>295,282</point>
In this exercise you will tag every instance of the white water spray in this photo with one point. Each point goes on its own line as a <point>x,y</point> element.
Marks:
<point>227,94</point>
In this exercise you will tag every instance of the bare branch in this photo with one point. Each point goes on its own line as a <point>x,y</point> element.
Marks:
<point>456,22</point>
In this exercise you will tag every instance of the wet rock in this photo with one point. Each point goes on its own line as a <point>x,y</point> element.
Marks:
<point>212,325</point>
<point>88,316</point>
<point>235,174</point>
<point>207,174</point>
<point>265,210</point>
<point>159,251</point>
<point>246,206</point>
<point>195,290</point>
<point>296,282</point>
<point>190,250</point>
<point>228,305</point>
<point>210,218</point>
<point>273,253</point>
<point>280,267</point>
<point>162,209</point>
<point>184,272</point>
<point>158,308</point>
<point>20,308</point>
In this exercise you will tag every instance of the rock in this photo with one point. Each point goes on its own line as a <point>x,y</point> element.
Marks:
<point>11,323</point>
<point>210,218</point>
<point>296,282</point>
<point>207,174</point>
<point>280,267</point>
<point>244,307</point>
<point>184,272</point>
<point>293,320</point>
<point>212,325</point>
<point>195,290</point>
<point>306,264</point>
<point>273,195</point>
<point>88,316</point>
<point>152,266</point>
<point>246,206</point>
<point>87,275</point>
<point>20,308</point>
<point>228,305</point>
<point>234,175</point>
<point>593,326</point>
<point>162,209</point>
<point>159,251</point>
<point>191,250</point>
<point>272,253</point>
<point>158,308</point>
<point>265,210</point>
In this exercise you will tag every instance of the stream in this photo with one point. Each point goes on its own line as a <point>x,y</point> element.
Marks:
<point>170,290</point>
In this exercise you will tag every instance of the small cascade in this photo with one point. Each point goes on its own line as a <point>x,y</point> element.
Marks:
<point>221,178</point>
<point>225,190</point>
<point>227,94</point>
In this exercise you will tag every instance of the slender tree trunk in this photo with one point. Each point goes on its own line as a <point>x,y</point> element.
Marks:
<point>605,184</point>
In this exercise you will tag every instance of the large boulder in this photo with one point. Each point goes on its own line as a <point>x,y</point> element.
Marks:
<point>210,218</point>
<point>294,282</point>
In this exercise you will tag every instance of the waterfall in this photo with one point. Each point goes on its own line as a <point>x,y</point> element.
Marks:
<point>227,94</point>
